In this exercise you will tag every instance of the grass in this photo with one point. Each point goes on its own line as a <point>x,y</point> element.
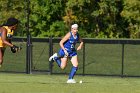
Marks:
<point>99,59</point>
<point>37,83</point>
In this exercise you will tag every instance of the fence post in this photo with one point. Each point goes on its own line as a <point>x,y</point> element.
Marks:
<point>29,43</point>
<point>83,59</point>
<point>122,72</point>
<point>29,55</point>
<point>50,53</point>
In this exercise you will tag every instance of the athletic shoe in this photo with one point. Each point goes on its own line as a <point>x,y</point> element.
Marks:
<point>52,57</point>
<point>71,81</point>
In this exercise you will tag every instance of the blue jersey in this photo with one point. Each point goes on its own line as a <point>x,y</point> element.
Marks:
<point>69,45</point>
<point>71,42</point>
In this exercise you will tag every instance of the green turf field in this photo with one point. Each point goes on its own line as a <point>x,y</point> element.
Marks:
<point>99,59</point>
<point>23,83</point>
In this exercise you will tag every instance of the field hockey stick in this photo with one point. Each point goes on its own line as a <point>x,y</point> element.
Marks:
<point>21,45</point>
<point>23,42</point>
<point>64,56</point>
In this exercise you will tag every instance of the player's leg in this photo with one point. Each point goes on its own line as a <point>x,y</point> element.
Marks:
<point>55,58</point>
<point>1,55</point>
<point>60,59</point>
<point>74,61</point>
<point>74,68</point>
<point>64,62</point>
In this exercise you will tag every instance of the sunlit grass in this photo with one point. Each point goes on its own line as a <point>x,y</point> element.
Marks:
<point>31,83</point>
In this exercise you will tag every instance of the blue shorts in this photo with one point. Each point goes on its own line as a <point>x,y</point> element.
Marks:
<point>70,52</point>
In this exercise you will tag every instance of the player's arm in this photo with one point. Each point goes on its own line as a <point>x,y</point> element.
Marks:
<point>3,36</point>
<point>14,48</point>
<point>10,41</point>
<point>81,43</point>
<point>63,40</point>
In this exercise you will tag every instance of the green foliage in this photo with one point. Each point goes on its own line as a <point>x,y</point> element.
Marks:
<point>43,14</point>
<point>106,18</point>
<point>131,13</point>
<point>96,18</point>
<point>13,8</point>
<point>57,27</point>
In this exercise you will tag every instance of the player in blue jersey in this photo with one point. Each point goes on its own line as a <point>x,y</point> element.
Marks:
<point>68,50</point>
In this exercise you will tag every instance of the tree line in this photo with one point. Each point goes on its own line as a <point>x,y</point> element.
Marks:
<point>96,18</point>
